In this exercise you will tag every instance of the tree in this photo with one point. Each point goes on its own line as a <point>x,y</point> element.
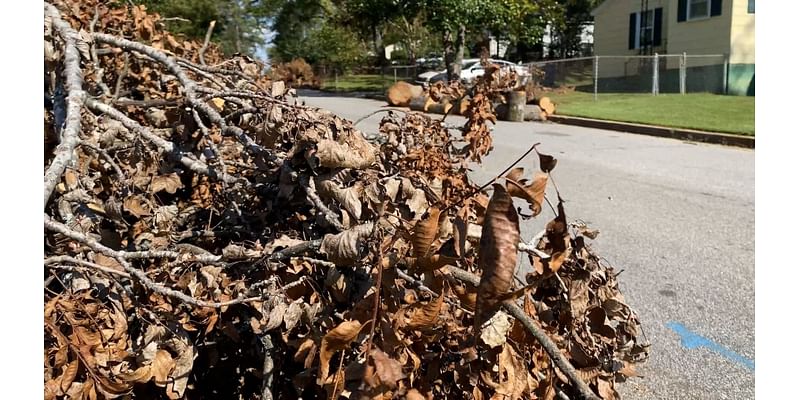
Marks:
<point>239,23</point>
<point>292,23</point>
<point>567,28</point>
<point>515,19</point>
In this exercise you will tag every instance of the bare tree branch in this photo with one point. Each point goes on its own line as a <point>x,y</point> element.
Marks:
<point>191,89</point>
<point>137,274</point>
<point>166,147</point>
<point>67,259</point>
<point>65,151</point>
<point>205,42</point>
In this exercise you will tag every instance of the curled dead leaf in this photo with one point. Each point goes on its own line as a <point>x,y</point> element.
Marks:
<point>425,315</point>
<point>425,232</point>
<point>387,370</point>
<point>498,252</point>
<point>343,248</point>
<point>337,339</point>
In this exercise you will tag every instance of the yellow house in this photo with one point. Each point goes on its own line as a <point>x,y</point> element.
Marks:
<point>696,27</point>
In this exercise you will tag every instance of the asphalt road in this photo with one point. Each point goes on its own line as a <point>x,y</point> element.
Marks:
<point>677,217</point>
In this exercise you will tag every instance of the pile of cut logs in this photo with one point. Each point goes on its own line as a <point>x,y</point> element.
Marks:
<point>516,106</point>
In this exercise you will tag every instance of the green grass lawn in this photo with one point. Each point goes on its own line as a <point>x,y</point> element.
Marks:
<point>359,83</point>
<point>701,111</point>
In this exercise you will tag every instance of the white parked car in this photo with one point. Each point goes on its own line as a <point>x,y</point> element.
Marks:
<point>475,70</point>
<point>471,68</point>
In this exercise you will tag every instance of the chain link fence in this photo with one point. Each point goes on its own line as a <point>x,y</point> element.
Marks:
<point>654,74</point>
<point>385,76</point>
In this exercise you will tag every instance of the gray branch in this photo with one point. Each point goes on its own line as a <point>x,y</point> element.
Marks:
<point>65,151</point>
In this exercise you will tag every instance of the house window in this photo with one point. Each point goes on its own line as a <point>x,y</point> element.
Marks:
<point>751,6</point>
<point>698,9</point>
<point>645,29</point>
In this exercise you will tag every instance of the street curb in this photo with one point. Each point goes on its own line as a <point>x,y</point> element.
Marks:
<point>660,131</point>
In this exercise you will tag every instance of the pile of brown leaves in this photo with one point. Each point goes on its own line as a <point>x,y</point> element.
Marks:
<point>208,237</point>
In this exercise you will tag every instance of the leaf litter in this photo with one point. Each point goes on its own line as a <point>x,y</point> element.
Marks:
<point>207,236</point>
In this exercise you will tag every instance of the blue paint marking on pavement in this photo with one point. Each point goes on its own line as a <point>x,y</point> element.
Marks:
<point>691,340</point>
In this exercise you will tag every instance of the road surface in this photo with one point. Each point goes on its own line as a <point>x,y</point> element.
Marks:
<point>677,217</point>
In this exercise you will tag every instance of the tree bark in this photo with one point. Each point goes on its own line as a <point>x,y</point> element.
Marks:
<point>377,41</point>
<point>454,52</point>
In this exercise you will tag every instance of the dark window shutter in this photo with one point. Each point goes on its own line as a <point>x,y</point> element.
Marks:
<point>716,7</point>
<point>632,31</point>
<point>657,27</point>
<point>682,10</point>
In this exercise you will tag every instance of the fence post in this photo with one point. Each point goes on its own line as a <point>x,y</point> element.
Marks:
<point>336,78</point>
<point>395,74</point>
<point>725,75</point>
<point>655,74</point>
<point>683,73</point>
<point>596,65</point>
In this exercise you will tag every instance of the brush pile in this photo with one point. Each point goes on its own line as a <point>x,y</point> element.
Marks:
<point>208,237</point>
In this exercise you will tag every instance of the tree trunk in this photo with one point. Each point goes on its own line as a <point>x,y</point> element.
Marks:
<point>454,52</point>
<point>516,106</point>
<point>377,40</point>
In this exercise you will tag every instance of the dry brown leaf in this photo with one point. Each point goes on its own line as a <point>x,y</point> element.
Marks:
<point>136,206</point>
<point>343,248</point>
<point>387,370</point>
<point>70,372</point>
<point>425,315</point>
<point>606,390</point>
<point>162,366</point>
<point>332,154</point>
<point>498,252</point>
<point>495,331</point>
<point>169,183</point>
<point>337,339</point>
<point>425,232</point>
<point>140,375</point>
<point>306,352</point>
<point>276,314</point>
<point>558,240</point>
<point>179,377</point>
<point>546,162</point>
<point>414,394</point>
<point>533,193</point>
<point>293,314</point>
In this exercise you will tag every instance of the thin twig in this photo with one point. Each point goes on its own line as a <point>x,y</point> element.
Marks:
<point>65,151</point>
<point>99,70</point>
<point>291,251</point>
<point>315,200</point>
<point>500,175</point>
<point>166,147</point>
<point>530,325</point>
<point>268,368</point>
<point>67,259</point>
<point>121,76</point>
<point>379,111</point>
<point>205,41</point>
<point>191,88</point>
<point>104,154</point>
<point>137,274</point>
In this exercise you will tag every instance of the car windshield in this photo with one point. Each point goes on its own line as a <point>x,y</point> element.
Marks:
<point>469,64</point>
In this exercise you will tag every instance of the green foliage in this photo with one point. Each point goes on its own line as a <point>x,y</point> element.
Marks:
<point>320,43</point>
<point>239,22</point>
